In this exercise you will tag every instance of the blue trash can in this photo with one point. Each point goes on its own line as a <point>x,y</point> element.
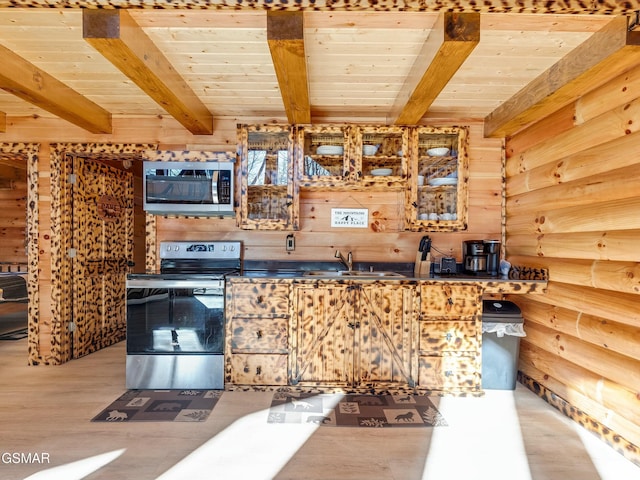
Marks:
<point>502,328</point>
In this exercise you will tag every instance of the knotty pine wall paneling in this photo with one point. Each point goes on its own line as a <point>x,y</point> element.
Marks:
<point>13,214</point>
<point>316,240</point>
<point>572,207</point>
<point>384,239</point>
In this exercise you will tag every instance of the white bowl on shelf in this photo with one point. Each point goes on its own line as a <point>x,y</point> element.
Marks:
<point>369,149</point>
<point>330,150</point>
<point>438,152</point>
<point>381,172</point>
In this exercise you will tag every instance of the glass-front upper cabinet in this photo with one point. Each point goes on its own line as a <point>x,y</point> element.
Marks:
<point>353,155</point>
<point>383,154</point>
<point>437,197</point>
<point>327,155</point>
<point>268,193</point>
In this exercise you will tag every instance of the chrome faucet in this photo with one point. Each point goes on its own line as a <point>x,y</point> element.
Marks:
<point>347,262</point>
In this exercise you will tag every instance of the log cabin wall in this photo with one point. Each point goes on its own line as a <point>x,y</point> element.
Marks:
<point>384,239</point>
<point>572,207</point>
<point>315,240</point>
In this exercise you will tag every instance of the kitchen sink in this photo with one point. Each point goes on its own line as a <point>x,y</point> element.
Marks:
<point>352,273</point>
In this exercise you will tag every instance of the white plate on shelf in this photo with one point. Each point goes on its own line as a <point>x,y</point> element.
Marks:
<point>330,150</point>
<point>381,172</point>
<point>437,182</point>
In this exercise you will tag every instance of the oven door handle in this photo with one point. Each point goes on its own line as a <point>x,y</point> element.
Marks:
<point>160,283</point>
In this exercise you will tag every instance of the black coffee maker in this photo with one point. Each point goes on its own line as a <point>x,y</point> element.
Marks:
<point>481,257</point>
<point>492,250</point>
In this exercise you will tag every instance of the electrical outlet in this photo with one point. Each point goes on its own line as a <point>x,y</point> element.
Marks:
<point>291,243</point>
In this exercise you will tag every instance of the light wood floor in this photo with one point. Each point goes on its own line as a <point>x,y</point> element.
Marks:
<point>504,435</point>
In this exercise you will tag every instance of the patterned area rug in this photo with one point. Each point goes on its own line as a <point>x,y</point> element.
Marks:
<point>161,406</point>
<point>373,411</point>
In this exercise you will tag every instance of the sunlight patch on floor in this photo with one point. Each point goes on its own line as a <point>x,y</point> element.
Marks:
<point>487,439</point>
<point>250,448</point>
<point>77,470</point>
<point>607,462</point>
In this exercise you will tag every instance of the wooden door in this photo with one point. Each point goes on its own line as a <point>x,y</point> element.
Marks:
<point>384,340</point>
<point>103,247</point>
<point>325,335</point>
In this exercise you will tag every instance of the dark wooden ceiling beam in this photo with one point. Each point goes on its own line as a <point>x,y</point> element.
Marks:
<point>23,79</point>
<point>452,39</point>
<point>606,54</point>
<point>118,38</point>
<point>285,35</point>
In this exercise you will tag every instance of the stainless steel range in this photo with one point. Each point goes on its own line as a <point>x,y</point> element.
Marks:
<point>175,319</point>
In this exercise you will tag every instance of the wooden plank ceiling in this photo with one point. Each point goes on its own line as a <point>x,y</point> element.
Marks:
<point>299,67</point>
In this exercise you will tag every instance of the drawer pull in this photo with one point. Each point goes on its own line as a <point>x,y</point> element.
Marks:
<point>258,370</point>
<point>450,301</point>
<point>448,336</point>
<point>259,333</point>
<point>260,299</point>
<point>448,373</point>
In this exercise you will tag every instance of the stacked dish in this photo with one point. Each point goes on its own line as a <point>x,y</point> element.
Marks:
<point>437,152</point>
<point>437,182</point>
<point>330,150</point>
<point>381,172</point>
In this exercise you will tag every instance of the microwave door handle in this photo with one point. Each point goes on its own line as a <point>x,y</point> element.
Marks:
<point>214,187</point>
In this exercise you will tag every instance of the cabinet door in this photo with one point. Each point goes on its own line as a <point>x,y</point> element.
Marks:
<point>383,153</point>
<point>437,197</point>
<point>384,347</point>
<point>325,334</point>
<point>328,156</point>
<point>268,193</point>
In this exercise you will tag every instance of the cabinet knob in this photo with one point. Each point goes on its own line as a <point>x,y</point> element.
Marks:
<point>258,370</point>
<point>260,299</point>
<point>448,373</point>
<point>448,336</point>
<point>259,333</point>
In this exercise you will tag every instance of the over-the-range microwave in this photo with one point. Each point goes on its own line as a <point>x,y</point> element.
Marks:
<point>188,188</point>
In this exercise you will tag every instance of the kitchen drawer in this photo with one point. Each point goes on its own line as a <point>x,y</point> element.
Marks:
<point>448,336</point>
<point>249,369</point>
<point>449,372</point>
<point>259,335</point>
<point>261,299</point>
<point>450,300</point>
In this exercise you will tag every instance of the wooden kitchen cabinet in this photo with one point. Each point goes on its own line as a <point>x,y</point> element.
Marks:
<point>257,332</point>
<point>353,156</point>
<point>268,192</point>
<point>353,336</point>
<point>326,155</point>
<point>437,190</point>
<point>450,338</point>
